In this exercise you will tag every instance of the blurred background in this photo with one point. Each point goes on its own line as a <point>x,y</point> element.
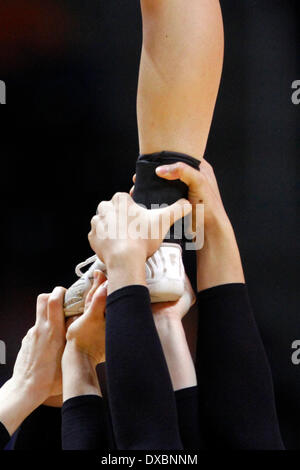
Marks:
<point>69,139</point>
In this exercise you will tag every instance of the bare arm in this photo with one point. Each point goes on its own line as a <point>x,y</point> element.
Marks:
<point>168,321</point>
<point>85,346</point>
<point>218,262</point>
<point>180,71</point>
<point>37,372</point>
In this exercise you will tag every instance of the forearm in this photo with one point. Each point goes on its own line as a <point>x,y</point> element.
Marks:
<point>79,374</point>
<point>16,403</point>
<point>219,261</point>
<point>244,415</point>
<point>141,398</point>
<point>33,435</point>
<point>177,354</point>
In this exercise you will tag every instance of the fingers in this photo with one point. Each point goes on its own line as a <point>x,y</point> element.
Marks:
<point>94,222</point>
<point>71,320</point>
<point>175,212</point>
<point>96,309</point>
<point>41,307</point>
<point>55,311</point>
<point>99,278</point>
<point>132,189</point>
<point>93,231</point>
<point>119,198</point>
<point>106,208</point>
<point>185,173</point>
<point>49,307</point>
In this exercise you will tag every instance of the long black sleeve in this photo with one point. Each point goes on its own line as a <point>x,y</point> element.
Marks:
<point>237,404</point>
<point>141,398</point>
<point>4,436</point>
<point>187,401</point>
<point>41,430</point>
<point>83,424</point>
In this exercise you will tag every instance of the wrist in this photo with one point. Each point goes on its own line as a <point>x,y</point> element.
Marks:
<point>221,239</point>
<point>125,269</point>
<point>169,328</point>
<point>176,351</point>
<point>79,373</point>
<point>166,321</point>
<point>219,226</point>
<point>125,255</point>
<point>17,401</point>
<point>74,355</point>
<point>219,261</point>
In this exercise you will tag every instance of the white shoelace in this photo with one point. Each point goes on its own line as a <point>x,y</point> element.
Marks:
<point>88,261</point>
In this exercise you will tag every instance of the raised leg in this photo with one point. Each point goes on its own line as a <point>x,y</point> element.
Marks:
<point>180,71</point>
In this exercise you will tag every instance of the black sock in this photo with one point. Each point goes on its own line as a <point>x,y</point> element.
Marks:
<point>151,189</point>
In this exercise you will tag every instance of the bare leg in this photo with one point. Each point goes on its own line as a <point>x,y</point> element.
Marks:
<point>180,73</point>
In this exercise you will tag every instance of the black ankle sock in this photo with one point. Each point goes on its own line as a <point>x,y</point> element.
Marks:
<point>151,189</point>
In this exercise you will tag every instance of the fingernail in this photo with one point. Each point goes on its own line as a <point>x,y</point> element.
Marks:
<point>57,290</point>
<point>163,170</point>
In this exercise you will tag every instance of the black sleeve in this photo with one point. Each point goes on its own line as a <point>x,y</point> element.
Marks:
<point>41,430</point>
<point>4,436</point>
<point>187,402</point>
<point>83,424</point>
<point>235,382</point>
<point>142,402</point>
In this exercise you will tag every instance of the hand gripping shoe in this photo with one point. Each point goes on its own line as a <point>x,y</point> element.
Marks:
<point>165,276</point>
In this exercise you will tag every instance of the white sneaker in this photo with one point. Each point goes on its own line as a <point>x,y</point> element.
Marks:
<point>165,277</point>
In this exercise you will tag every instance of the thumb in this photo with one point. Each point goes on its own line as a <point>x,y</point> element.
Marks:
<point>97,306</point>
<point>175,212</point>
<point>99,278</point>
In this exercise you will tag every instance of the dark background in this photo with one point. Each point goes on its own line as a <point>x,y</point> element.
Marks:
<point>69,139</point>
